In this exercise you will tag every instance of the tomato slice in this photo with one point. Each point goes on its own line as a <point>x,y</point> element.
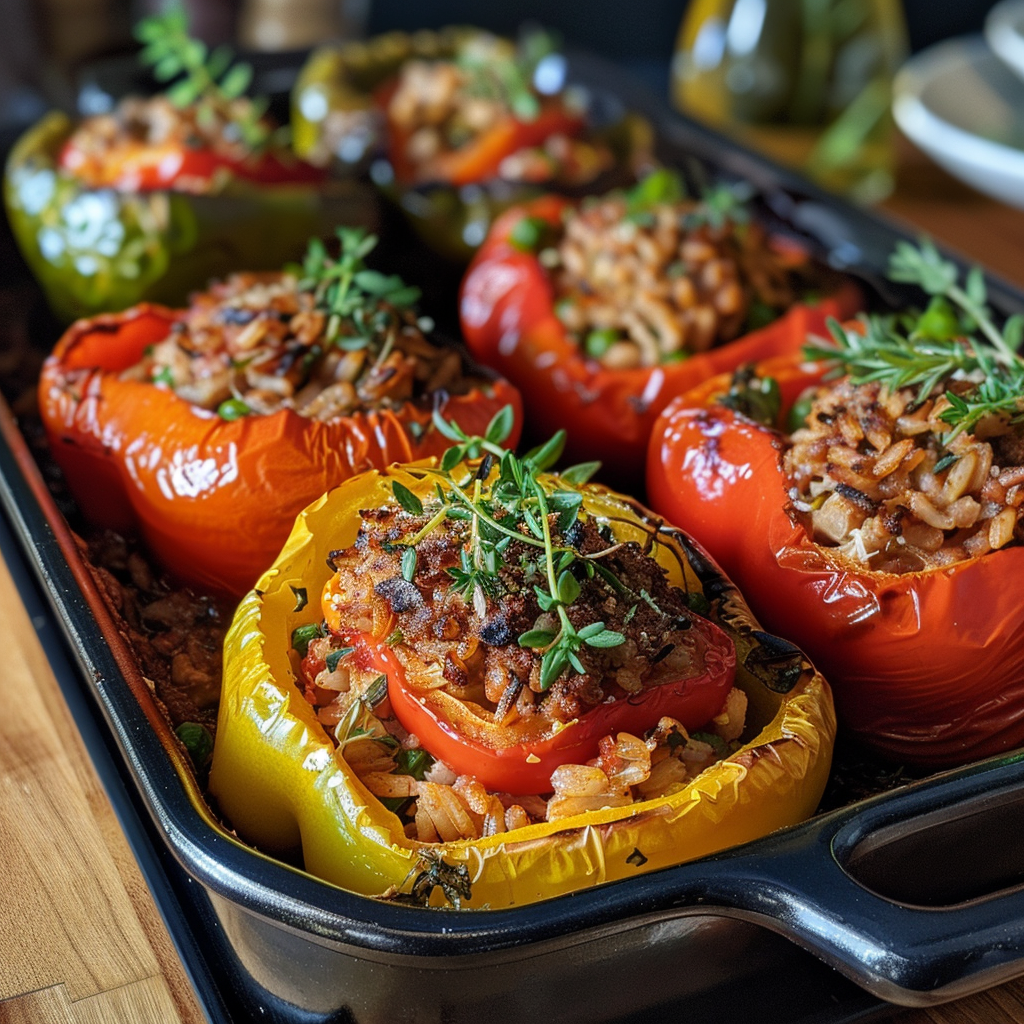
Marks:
<point>519,758</point>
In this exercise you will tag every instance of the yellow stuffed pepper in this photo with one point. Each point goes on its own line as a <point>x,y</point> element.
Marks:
<point>479,683</point>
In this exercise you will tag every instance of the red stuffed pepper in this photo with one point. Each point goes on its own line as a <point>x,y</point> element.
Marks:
<point>881,531</point>
<point>602,314</point>
<point>209,428</point>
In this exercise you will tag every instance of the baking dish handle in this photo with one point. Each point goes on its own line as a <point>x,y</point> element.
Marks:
<point>951,921</point>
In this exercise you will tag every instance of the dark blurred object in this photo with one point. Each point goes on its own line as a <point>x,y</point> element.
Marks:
<point>641,34</point>
<point>928,21</point>
<point>643,30</point>
<point>277,25</point>
<point>212,21</point>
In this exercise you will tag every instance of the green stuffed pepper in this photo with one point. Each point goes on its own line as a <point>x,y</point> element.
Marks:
<point>151,200</point>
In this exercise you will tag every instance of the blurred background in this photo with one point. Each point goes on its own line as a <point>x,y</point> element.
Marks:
<point>43,43</point>
<point>807,81</point>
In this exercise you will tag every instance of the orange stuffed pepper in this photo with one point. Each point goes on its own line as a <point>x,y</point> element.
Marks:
<point>209,428</point>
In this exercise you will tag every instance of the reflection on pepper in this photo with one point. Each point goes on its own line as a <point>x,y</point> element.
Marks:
<point>511,321</point>
<point>283,785</point>
<point>927,665</point>
<point>300,388</point>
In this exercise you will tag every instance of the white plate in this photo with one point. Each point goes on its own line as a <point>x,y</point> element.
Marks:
<point>959,103</point>
<point>1004,31</point>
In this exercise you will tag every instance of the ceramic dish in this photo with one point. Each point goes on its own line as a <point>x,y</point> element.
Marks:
<point>878,889</point>
<point>1004,32</point>
<point>959,103</point>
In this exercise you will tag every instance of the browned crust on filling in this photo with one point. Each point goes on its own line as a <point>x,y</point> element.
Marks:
<point>871,476</point>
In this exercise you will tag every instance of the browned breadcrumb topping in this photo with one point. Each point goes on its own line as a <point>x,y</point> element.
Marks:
<point>259,340</point>
<point>481,658</point>
<point>472,653</point>
<point>873,478</point>
<point>659,288</point>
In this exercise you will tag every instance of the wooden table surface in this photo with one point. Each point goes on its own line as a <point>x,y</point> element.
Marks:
<point>80,938</point>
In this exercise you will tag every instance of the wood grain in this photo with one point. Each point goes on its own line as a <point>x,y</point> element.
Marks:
<point>80,937</point>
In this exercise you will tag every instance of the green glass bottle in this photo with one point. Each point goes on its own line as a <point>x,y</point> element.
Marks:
<point>807,81</point>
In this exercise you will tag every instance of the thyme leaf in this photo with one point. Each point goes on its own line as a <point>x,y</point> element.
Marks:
<point>956,337</point>
<point>505,500</point>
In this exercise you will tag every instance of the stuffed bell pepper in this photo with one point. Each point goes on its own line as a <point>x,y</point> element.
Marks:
<point>473,682</point>
<point>160,194</point>
<point>462,124</point>
<point>208,429</point>
<point>602,313</point>
<point>867,499</point>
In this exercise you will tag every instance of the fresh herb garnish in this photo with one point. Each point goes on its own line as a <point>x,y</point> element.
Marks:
<point>956,336</point>
<point>721,205</point>
<point>662,187</point>
<point>303,636</point>
<point>504,500</point>
<point>333,657</point>
<point>232,409</point>
<point>212,82</point>
<point>354,297</point>
<point>198,742</point>
<point>507,77</point>
<point>529,234</point>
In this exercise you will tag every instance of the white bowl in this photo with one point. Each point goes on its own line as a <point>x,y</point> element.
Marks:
<point>1004,32</point>
<point>959,103</point>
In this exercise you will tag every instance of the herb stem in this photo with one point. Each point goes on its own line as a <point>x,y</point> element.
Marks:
<point>979,315</point>
<point>476,511</point>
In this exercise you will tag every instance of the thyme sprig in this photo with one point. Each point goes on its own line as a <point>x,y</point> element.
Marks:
<point>504,500</point>
<point>211,81</point>
<point>508,78</point>
<point>955,338</point>
<point>352,294</point>
<point>719,204</point>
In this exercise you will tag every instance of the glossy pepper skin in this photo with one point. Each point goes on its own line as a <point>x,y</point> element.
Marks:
<point>98,250</point>
<point>213,499</point>
<point>507,313</point>
<point>450,732</point>
<point>277,778</point>
<point>927,667</point>
<point>453,214</point>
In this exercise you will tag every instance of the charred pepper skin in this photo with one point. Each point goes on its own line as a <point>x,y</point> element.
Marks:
<point>96,250</point>
<point>927,667</point>
<point>278,780</point>
<point>507,312</point>
<point>213,499</point>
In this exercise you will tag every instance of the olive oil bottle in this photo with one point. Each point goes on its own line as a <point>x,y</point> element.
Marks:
<point>806,81</point>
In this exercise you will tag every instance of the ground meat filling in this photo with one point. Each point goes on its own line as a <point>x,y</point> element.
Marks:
<point>873,478</point>
<point>642,290</point>
<point>97,151</point>
<point>258,343</point>
<point>469,648</point>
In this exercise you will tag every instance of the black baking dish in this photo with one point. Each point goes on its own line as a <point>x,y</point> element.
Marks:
<point>881,890</point>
